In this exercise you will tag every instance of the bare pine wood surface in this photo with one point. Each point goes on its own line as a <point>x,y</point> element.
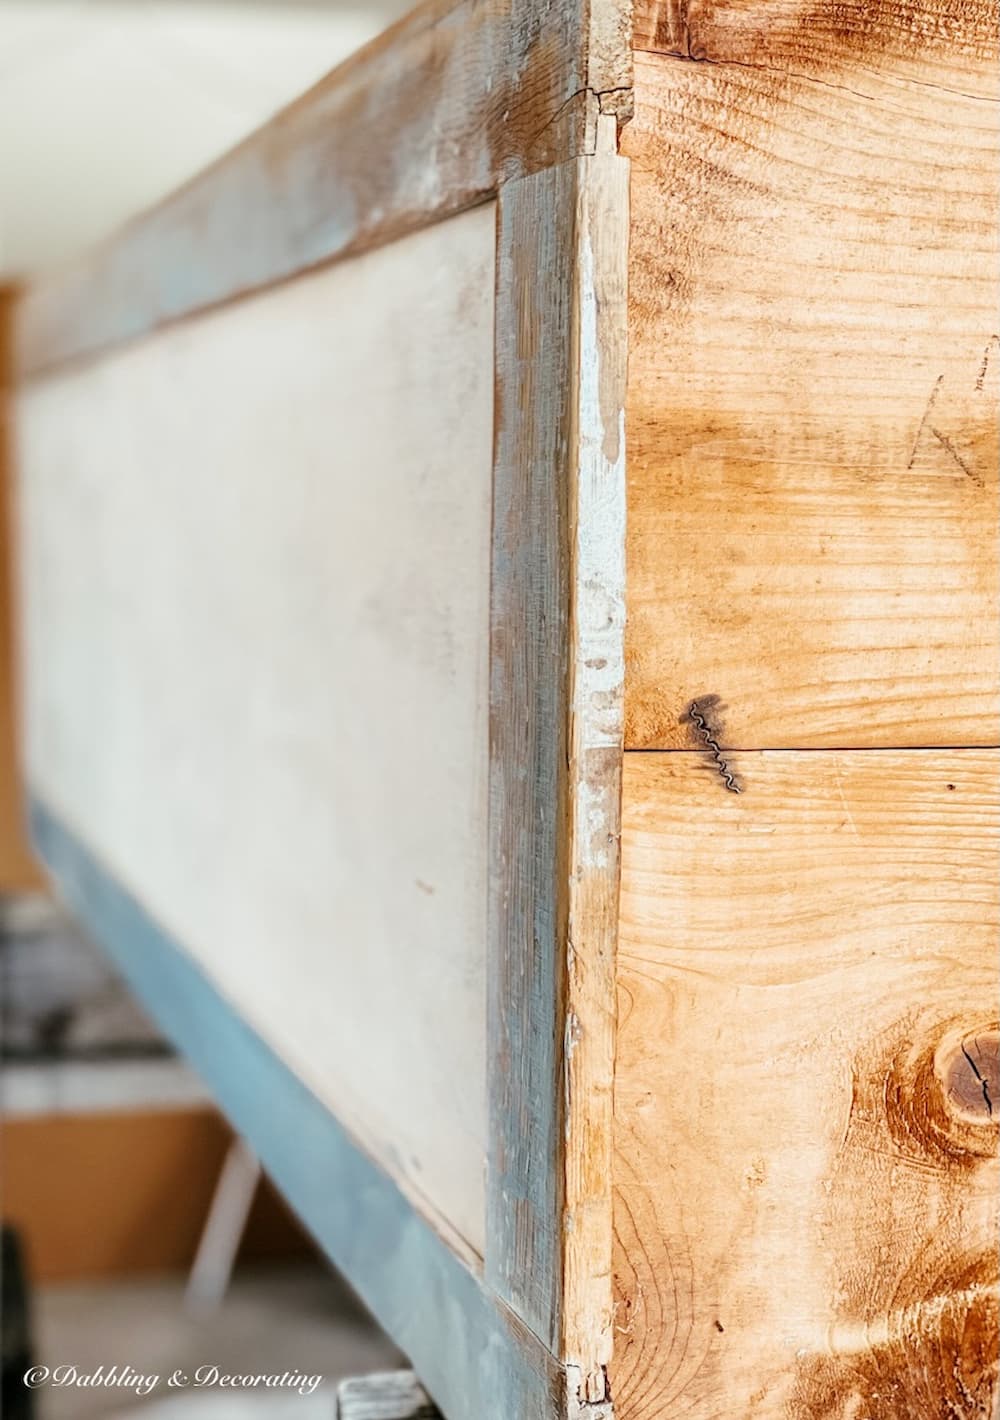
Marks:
<point>942,44</point>
<point>814,368</point>
<point>807,1094</point>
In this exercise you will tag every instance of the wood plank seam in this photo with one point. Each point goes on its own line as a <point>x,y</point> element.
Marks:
<point>804,76</point>
<point>779,71</point>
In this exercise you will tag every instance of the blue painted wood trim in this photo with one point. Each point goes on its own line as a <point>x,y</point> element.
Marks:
<point>430,118</point>
<point>474,1357</point>
<point>529,751</point>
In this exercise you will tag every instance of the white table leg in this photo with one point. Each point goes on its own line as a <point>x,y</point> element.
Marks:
<point>224,1227</point>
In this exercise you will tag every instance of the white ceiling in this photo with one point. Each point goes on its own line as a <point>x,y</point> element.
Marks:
<point>106,105</point>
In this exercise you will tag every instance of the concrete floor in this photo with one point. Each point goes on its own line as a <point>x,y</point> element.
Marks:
<point>274,1319</point>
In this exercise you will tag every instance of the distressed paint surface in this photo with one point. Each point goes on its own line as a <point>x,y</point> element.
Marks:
<point>388,1395</point>
<point>431,117</point>
<point>529,792</point>
<point>556,748</point>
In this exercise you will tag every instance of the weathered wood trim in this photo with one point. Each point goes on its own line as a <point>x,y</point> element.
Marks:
<point>528,744</point>
<point>595,711</point>
<point>472,1354</point>
<point>430,118</point>
<point>555,748</point>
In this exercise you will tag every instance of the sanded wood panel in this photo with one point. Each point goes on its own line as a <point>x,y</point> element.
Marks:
<point>807,1091</point>
<point>813,376</point>
<point>256,554</point>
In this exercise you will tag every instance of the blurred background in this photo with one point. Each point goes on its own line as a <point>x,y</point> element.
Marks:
<point>108,105</point>
<point>136,1229</point>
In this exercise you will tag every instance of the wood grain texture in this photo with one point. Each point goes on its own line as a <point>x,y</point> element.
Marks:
<point>943,44</point>
<point>806,1090</point>
<point>256,615</point>
<point>814,371</point>
<point>430,118</point>
<point>555,751</point>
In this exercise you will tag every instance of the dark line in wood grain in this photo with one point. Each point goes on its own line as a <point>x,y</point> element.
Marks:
<point>984,1083</point>
<point>822,749</point>
<point>949,447</point>
<point>923,421</point>
<point>779,71</point>
<point>984,367</point>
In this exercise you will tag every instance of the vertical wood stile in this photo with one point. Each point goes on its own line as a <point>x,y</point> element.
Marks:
<point>555,749</point>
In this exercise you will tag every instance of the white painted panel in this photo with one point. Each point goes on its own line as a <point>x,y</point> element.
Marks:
<point>256,582</point>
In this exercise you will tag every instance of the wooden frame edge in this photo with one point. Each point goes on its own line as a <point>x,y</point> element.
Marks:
<point>557,670</point>
<point>432,117</point>
<point>595,711</point>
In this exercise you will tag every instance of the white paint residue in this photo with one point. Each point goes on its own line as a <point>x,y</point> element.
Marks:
<point>600,540</point>
<point>571,1038</point>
